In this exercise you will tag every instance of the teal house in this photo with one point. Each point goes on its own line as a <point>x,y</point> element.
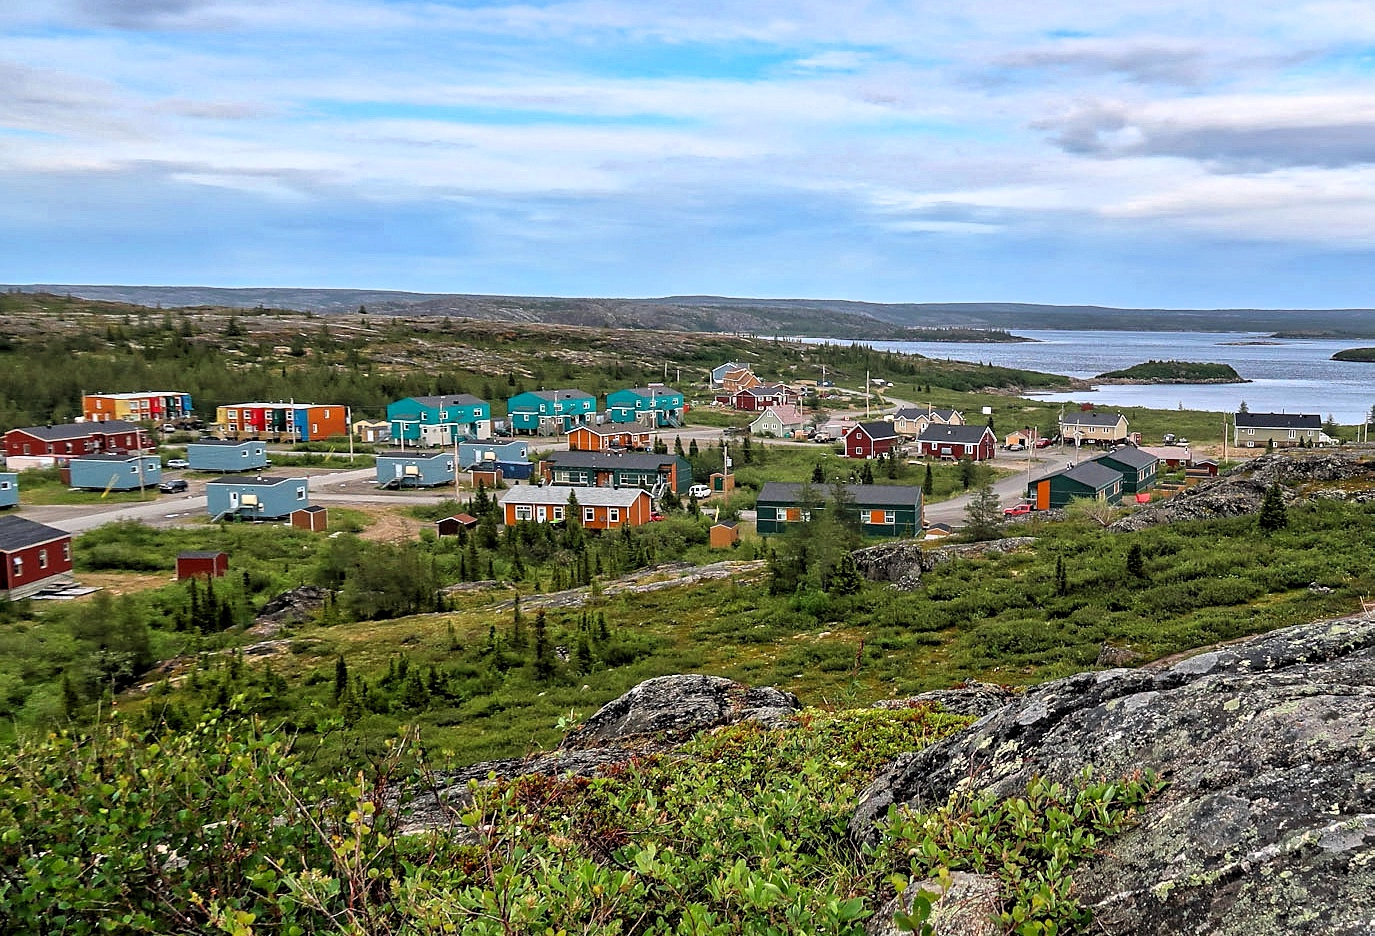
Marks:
<point>655,406</point>
<point>226,455</point>
<point>1137,468</point>
<point>550,412</point>
<point>256,498</point>
<point>9,489</point>
<point>439,420</point>
<point>882,509</point>
<point>1089,479</point>
<point>114,472</point>
<point>415,469</point>
<point>653,472</point>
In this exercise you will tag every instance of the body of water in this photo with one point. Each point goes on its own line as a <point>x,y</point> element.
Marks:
<point>1288,376</point>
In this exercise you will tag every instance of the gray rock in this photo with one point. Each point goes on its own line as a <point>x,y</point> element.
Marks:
<point>1268,824</point>
<point>973,698</point>
<point>902,563</point>
<point>968,907</point>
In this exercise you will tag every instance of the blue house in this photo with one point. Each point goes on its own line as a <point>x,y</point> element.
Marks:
<point>439,420</point>
<point>550,412</point>
<point>256,498</point>
<point>9,489</point>
<point>415,469</point>
<point>226,455</point>
<point>655,405</point>
<point>114,472</point>
<point>471,453</point>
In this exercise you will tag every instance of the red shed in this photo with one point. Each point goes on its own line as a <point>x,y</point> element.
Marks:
<point>867,439</point>
<point>209,564</point>
<point>449,526</point>
<point>32,557</point>
<point>315,519</point>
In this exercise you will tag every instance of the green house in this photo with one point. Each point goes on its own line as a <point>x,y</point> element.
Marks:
<point>1089,479</point>
<point>550,412</point>
<point>1137,468</point>
<point>882,509</point>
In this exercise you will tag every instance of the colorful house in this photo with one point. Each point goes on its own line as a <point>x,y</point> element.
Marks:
<point>207,563</point>
<point>256,498</point>
<point>1137,468</point>
<point>608,438</point>
<point>1171,456</point>
<point>882,509</point>
<point>46,446</point>
<point>1093,428</point>
<point>439,420</point>
<point>9,489</point>
<point>867,439</point>
<point>475,453</point>
<point>294,422</point>
<point>734,381</point>
<point>159,406</point>
<point>372,431</point>
<point>1089,479</point>
<point>226,455</point>
<point>1280,430</point>
<point>647,470</point>
<point>941,441</point>
<point>719,372</point>
<point>550,412</point>
<point>32,557</point>
<point>655,406</point>
<point>780,422</point>
<point>591,508</point>
<point>113,472</point>
<point>762,397</point>
<point>911,420</point>
<point>403,469</point>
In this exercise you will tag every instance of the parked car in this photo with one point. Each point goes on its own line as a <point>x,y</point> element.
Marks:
<point>1043,443</point>
<point>174,486</point>
<point>1017,510</point>
<point>1015,447</point>
<point>655,517</point>
<point>178,463</point>
<point>699,491</point>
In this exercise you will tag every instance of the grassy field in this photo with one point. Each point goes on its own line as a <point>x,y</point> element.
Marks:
<point>45,486</point>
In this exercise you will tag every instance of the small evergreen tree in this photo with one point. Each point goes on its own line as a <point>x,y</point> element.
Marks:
<point>928,483</point>
<point>1061,578</point>
<point>846,579</point>
<point>1273,515</point>
<point>983,515</point>
<point>1136,561</point>
<point>544,662</point>
<point>818,475</point>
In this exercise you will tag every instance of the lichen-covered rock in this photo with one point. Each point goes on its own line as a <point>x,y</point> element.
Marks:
<point>1268,824</point>
<point>973,698</point>
<point>902,563</point>
<point>676,707</point>
<point>967,907</point>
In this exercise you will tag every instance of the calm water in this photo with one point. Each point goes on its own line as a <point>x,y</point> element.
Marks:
<point>1287,375</point>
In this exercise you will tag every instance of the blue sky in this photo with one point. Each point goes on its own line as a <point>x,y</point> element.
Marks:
<point>1161,154</point>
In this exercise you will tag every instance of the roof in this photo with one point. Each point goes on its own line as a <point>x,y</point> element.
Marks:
<point>416,454</point>
<point>610,429</point>
<point>587,497</point>
<point>313,508</point>
<point>916,412</point>
<point>1091,419</point>
<point>18,533</point>
<point>1276,420</point>
<point>78,430</point>
<point>253,482</point>
<point>787,414</point>
<point>555,396</point>
<point>1169,452</point>
<point>1089,473</point>
<point>109,457</point>
<point>462,519</point>
<point>201,554</point>
<point>876,430</point>
<point>609,460</point>
<point>728,524</point>
<point>767,390</point>
<point>967,435</point>
<point>1131,456</point>
<point>652,392</point>
<point>139,394</point>
<point>279,404</point>
<point>865,495</point>
<point>457,399</point>
<point>225,443</point>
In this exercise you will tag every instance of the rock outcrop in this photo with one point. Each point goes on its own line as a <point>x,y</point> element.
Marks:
<point>902,563</point>
<point>973,698</point>
<point>1268,823</point>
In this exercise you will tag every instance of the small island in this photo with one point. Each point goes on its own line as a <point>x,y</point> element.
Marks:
<point>1172,372</point>
<point>1363,355</point>
<point>966,335</point>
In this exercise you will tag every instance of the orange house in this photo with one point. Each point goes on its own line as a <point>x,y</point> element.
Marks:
<point>594,509</point>
<point>596,439</point>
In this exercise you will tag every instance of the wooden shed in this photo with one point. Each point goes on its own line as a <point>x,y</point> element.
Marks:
<point>314,518</point>
<point>209,564</point>
<point>450,526</point>
<point>724,534</point>
<point>489,478</point>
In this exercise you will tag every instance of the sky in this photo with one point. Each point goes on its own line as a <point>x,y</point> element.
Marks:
<point>1162,154</point>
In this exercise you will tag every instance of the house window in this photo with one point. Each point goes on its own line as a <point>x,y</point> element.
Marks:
<point>613,515</point>
<point>232,414</point>
<point>558,513</point>
<point>890,517</point>
<point>589,514</point>
<point>244,453</point>
<point>67,551</point>
<point>1293,433</point>
<point>301,493</point>
<point>18,566</point>
<point>523,512</point>
<point>1250,432</point>
<point>42,558</point>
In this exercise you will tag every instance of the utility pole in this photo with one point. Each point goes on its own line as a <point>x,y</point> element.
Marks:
<point>348,420</point>
<point>455,466</point>
<point>866,394</point>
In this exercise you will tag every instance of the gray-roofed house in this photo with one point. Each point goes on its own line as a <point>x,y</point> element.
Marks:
<point>227,455</point>
<point>1093,428</point>
<point>415,468</point>
<point>976,443</point>
<point>1089,479</point>
<point>257,498</point>
<point>1138,468</point>
<point>653,472</point>
<point>32,557</point>
<point>882,509</point>
<point>591,508</point>
<point>113,472</point>
<point>1282,430</point>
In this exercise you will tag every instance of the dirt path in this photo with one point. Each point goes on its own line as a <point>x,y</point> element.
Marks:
<point>388,525</point>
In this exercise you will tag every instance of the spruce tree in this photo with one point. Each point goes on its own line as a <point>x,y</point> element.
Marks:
<point>544,662</point>
<point>341,678</point>
<point>928,483</point>
<point>1273,515</point>
<point>1061,579</point>
<point>1136,561</point>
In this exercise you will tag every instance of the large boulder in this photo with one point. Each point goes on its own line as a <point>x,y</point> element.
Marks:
<point>1267,826</point>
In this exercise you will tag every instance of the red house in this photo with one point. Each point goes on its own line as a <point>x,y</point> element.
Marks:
<point>755,399</point>
<point>46,446</point>
<point>973,442</point>
<point>867,439</point>
<point>595,508</point>
<point>32,557</point>
<point>606,438</point>
<point>209,564</point>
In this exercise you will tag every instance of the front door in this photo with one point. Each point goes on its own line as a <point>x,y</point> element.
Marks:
<point>540,514</point>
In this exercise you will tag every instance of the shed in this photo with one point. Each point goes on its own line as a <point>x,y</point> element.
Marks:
<point>227,455</point>
<point>113,472</point>
<point>724,534</point>
<point>9,489</point>
<point>721,483</point>
<point>314,518</point>
<point>209,564</point>
<point>32,557</point>
<point>487,477</point>
<point>450,526</point>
